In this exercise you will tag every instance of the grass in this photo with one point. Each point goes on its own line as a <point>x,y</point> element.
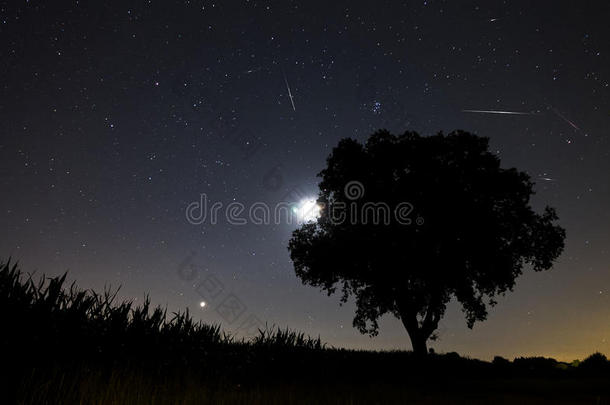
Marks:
<point>61,344</point>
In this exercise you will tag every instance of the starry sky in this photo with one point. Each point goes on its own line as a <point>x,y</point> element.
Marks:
<point>115,116</point>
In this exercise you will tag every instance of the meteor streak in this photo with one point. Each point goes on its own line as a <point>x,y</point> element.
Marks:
<point>289,93</point>
<point>565,119</point>
<point>498,112</point>
<point>545,177</point>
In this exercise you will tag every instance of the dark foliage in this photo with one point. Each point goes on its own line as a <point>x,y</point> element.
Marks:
<point>61,344</point>
<point>596,363</point>
<point>471,232</point>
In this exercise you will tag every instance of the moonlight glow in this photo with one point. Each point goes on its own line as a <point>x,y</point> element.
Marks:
<point>307,210</point>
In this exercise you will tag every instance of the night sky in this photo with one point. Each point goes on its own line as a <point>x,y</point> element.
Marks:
<point>115,117</point>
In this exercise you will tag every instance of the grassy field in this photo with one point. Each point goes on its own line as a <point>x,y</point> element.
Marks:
<point>63,345</point>
<point>133,388</point>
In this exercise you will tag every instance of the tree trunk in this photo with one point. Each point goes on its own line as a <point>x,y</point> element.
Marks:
<point>416,334</point>
<point>419,345</point>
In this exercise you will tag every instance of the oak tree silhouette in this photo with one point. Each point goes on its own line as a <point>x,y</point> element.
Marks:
<point>469,233</point>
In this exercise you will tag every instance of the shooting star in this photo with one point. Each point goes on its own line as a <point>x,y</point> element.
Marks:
<point>289,93</point>
<point>498,112</point>
<point>493,19</point>
<point>565,119</point>
<point>545,177</point>
<point>252,70</point>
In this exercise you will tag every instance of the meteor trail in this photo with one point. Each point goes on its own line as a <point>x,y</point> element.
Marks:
<point>498,112</point>
<point>545,177</point>
<point>289,93</point>
<point>252,70</point>
<point>565,119</point>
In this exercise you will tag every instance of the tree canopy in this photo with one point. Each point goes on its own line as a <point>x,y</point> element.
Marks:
<point>408,222</point>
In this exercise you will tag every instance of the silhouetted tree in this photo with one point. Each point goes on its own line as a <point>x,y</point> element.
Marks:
<point>596,363</point>
<point>459,226</point>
